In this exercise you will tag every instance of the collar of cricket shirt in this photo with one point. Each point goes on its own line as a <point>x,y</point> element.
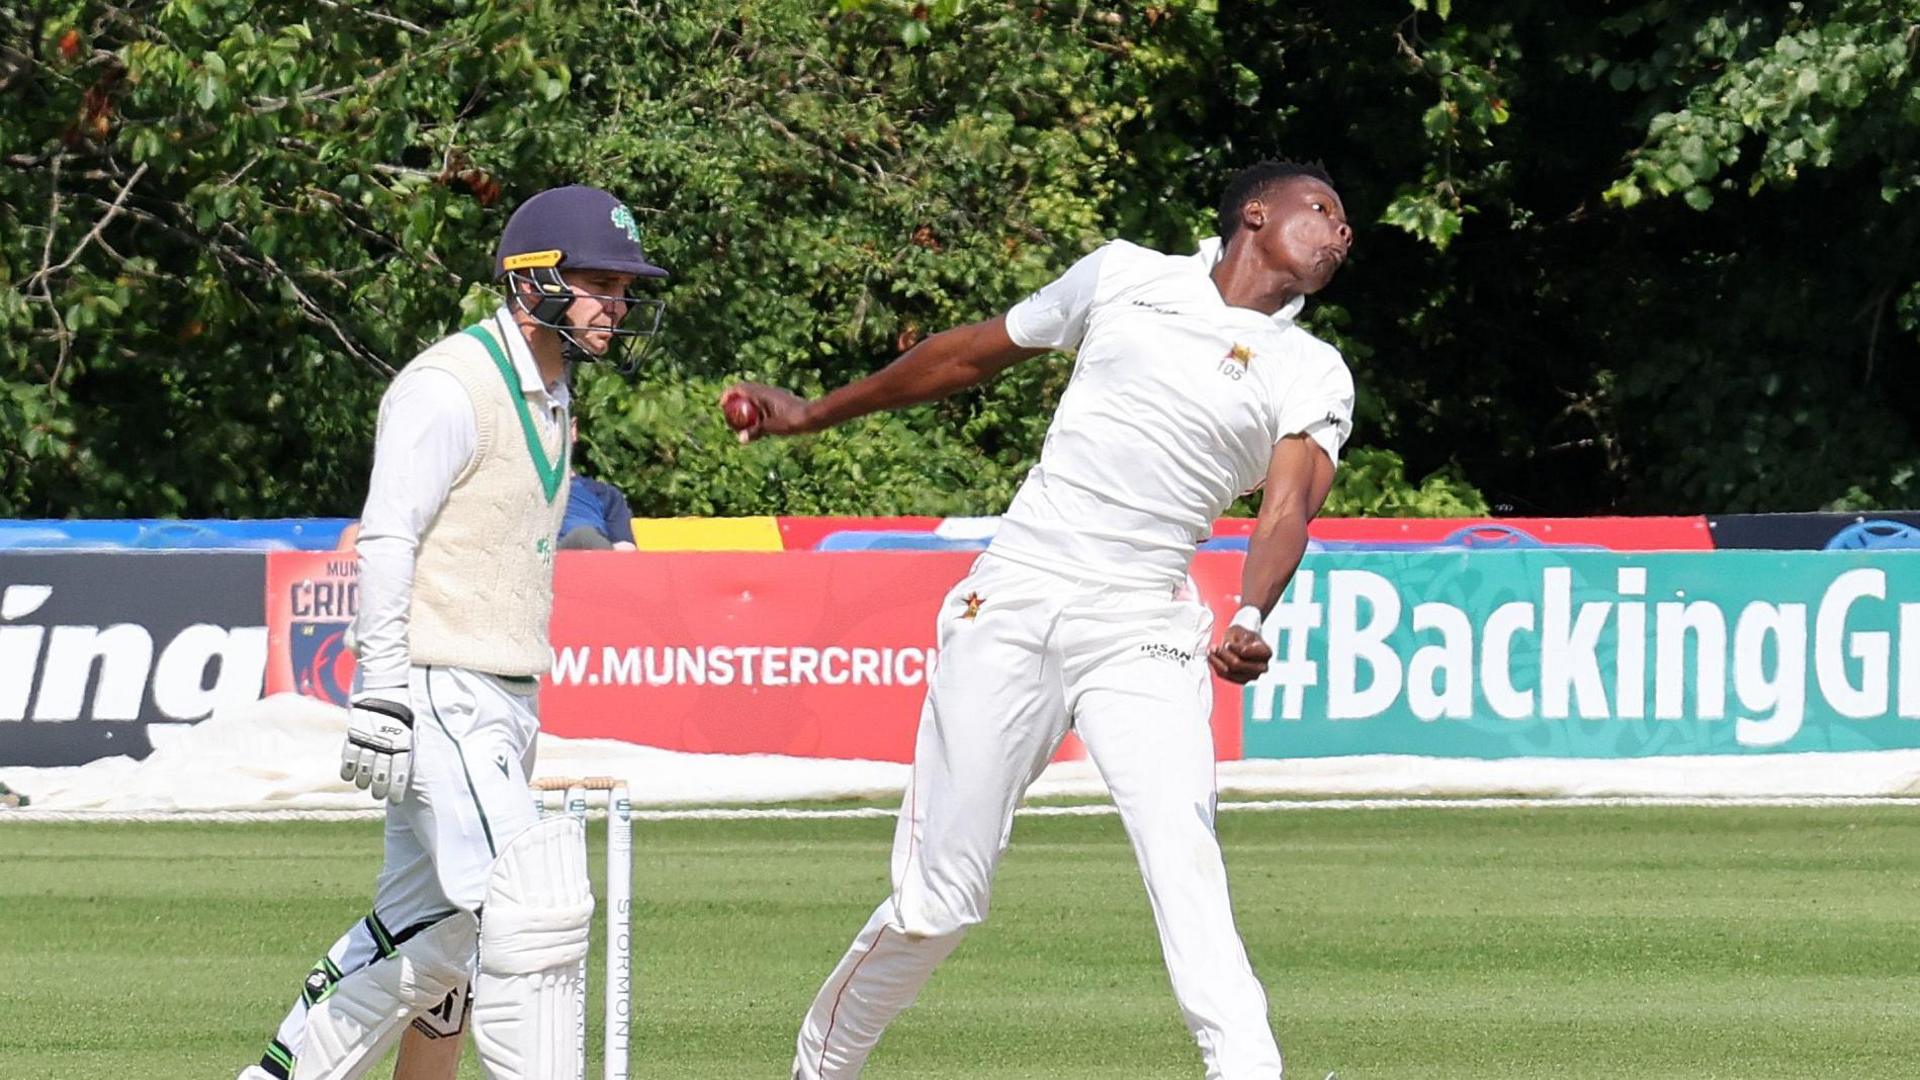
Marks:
<point>524,366</point>
<point>1209,253</point>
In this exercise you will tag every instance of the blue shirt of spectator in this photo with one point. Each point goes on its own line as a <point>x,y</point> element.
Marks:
<point>597,515</point>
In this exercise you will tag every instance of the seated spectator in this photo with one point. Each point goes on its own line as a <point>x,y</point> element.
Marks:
<point>597,517</point>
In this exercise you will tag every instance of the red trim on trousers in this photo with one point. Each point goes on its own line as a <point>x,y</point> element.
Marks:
<point>834,1016</point>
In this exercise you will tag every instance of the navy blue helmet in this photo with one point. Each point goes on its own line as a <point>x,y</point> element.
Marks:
<point>575,228</point>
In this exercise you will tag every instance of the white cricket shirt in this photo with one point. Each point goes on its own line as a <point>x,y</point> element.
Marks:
<point>1176,403</point>
<point>427,437</point>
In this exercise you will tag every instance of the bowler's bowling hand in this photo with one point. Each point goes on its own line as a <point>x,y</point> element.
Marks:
<point>773,411</point>
<point>1241,656</point>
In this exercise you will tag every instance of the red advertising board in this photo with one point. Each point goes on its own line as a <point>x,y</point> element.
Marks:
<point>802,653</point>
<point>1613,533</point>
<point>1691,533</point>
<point>311,600</point>
<point>805,533</point>
<point>813,654</point>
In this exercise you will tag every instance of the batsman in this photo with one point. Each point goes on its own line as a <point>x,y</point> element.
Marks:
<point>481,909</point>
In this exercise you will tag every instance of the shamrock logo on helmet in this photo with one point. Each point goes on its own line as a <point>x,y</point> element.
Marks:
<point>623,220</point>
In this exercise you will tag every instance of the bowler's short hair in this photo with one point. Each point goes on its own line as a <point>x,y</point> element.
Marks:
<point>1254,181</point>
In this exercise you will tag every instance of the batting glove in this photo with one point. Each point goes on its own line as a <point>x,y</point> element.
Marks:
<point>379,749</point>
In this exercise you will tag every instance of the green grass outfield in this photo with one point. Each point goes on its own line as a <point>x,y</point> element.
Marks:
<point>1432,944</point>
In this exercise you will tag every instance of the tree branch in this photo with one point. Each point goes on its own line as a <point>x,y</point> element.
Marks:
<point>266,268</point>
<point>377,16</point>
<point>14,65</point>
<point>1878,307</point>
<point>312,308</point>
<point>113,211</point>
<point>385,169</point>
<point>62,336</point>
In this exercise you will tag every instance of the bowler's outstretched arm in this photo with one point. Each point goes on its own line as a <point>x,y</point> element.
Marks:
<point>942,365</point>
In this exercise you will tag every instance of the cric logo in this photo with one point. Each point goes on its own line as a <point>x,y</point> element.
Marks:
<point>123,653</point>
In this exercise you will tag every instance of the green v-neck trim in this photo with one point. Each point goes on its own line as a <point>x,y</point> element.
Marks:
<point>552,471</point>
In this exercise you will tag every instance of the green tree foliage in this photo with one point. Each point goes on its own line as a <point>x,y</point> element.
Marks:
<point>828,192</point>
<point>222,225</point>
<point>1813,115</point>
<point>1611,255</point>
<point>1650,256</point>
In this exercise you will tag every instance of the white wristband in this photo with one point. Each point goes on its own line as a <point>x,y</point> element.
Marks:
<point>1247,618</point>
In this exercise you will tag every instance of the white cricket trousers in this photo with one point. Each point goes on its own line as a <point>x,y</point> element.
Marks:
<point>474,739</point>
<point>1024,654</point>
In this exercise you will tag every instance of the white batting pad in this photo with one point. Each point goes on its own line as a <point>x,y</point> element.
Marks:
<point>529,997</point>
<point>351,1029</point>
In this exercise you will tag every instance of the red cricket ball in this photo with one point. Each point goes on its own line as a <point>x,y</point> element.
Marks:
<point>740,411</point>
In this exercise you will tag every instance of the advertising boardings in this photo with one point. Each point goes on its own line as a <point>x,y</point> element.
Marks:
<point>814,655</point>
<point>1482,654</point>
<point>1591,655</point>
<point>95,646</point>
<point>803,653</point>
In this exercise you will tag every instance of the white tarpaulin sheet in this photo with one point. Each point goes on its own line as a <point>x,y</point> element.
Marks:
<point>283,754</point>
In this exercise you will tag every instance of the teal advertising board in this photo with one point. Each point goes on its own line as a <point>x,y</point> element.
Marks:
<point>1551,653</point>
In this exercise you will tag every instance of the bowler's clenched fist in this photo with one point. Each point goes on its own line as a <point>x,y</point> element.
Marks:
<point>1241,656</point>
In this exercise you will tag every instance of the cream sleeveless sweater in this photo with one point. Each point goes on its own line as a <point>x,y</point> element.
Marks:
<point>483,576</point>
